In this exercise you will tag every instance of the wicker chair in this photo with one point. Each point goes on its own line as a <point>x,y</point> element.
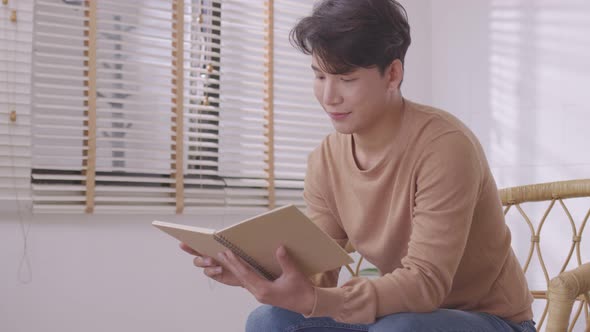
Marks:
<point>567,287</point>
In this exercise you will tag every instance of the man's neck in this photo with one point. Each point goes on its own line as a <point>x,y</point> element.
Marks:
<point>371,144</point>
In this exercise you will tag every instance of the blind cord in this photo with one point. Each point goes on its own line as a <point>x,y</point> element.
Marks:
<point>25,271</point>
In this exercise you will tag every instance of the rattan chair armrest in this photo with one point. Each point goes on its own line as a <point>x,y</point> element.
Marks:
<point>545,191</point>
<point>563,290</point>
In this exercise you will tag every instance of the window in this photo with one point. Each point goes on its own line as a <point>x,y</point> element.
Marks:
<point>299,123</point>
<point>168,106</point>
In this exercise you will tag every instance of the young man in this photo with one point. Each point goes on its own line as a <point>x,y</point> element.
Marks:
<point>407,185</point>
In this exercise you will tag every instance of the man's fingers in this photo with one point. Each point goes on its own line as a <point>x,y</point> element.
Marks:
<point>204,262</point>
<point>249,278</point>
<point>213,271</point>
<point>285,261</point>
<point>188,249</point>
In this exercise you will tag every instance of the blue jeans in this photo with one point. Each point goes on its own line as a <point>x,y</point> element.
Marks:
<point>272,319</point>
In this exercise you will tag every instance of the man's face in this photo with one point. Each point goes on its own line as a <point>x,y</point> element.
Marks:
<point>354,101</point>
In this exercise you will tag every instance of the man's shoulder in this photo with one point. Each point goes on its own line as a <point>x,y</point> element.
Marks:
<point>431,123</point>
<point>442,136</point>
<point>435,118</point>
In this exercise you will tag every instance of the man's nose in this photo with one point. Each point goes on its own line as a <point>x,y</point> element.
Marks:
<point>331,94</point>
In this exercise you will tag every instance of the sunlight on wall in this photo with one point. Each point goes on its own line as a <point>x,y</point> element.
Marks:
<point>539,74</point>
<point>505,81</point>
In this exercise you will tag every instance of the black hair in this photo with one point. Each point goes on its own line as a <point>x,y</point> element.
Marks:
<point>347,34</point>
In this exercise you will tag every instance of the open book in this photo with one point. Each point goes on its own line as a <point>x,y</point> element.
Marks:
<point>256,240</point>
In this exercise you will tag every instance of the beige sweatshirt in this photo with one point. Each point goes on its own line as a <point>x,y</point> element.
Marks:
<point>428,216</point>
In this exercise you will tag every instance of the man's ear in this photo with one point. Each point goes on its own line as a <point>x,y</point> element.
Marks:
<point>395,72</point>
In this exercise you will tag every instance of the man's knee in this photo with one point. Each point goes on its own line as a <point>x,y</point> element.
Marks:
<point>402,322</point>
<point>269,318</point>
<point>260,319</point>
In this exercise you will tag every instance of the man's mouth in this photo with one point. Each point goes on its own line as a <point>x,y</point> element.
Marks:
<point>338,116</point>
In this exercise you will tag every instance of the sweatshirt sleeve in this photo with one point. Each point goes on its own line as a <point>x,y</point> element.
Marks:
<point>319,212</point>
<point>448,176</point>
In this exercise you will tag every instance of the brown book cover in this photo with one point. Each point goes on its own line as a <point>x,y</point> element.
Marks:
<point>256,240</point>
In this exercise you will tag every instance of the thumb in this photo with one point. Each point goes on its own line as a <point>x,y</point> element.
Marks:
<point>285,261</point>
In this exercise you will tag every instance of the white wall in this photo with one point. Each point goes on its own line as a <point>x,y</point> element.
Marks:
<point>109,274</point>
<point>517,72</point>
<point>418,63</point>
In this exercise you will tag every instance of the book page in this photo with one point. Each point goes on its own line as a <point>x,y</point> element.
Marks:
<point>198,238</point>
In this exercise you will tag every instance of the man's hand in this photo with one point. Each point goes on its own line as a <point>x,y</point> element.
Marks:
<point>292,290</point>
<point>211,268</point>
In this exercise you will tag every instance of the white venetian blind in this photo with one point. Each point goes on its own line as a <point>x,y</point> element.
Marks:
<point>15,117</point>
<point>170,106</point>
<point>135,119</point>
<point>299,122</point>
<point>203,185</point>
<point>60,79</point>
<point>150,106</point>
<point>244,141</point>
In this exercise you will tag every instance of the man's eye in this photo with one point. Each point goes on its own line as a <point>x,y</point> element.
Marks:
<point>319,78</point>
<point>344,79</point>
